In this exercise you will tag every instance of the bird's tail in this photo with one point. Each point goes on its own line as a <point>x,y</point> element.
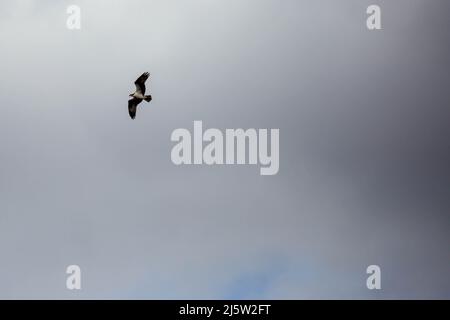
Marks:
<point>148,98</point>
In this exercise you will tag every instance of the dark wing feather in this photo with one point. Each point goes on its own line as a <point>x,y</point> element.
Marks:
<point>132,106</point>
<point>140,82</point>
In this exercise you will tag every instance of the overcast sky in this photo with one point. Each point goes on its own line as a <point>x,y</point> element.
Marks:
<point>364,125</point>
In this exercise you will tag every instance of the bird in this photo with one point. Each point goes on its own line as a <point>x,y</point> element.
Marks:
<point>138,95</point>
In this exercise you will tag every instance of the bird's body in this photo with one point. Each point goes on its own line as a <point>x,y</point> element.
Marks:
<point>138,95</point>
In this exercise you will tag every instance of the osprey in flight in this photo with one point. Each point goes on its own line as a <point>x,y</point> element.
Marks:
<point>138,95</point>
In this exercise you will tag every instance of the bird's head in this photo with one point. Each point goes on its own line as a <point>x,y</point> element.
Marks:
<point>130,95</point>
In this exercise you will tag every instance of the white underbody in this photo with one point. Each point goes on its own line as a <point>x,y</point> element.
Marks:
<point>138,95</point>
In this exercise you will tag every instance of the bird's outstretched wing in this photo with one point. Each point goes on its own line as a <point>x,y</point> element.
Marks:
<point>140,82</point>
<point>132,107</point>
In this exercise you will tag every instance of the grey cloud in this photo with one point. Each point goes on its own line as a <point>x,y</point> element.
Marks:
<point>364,149</point>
